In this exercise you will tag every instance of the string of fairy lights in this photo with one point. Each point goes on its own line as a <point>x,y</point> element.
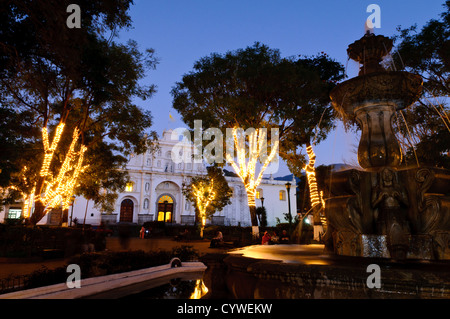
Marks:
<point>57,190</point>
<point>315,197</point>
<point>204,194</point>
<point>246,170</point>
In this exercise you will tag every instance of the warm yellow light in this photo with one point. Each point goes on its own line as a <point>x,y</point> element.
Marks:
<point>246,170</point>
<point>57,190</point>
<point>200,290</point>
<point>315,197</point>
<point>129,187</point>
<point>50,149</point>
<point>202,200</point>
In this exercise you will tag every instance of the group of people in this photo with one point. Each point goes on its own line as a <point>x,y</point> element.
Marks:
<point>274,239</point>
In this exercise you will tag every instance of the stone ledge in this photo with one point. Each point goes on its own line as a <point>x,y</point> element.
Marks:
<point>97,285</point>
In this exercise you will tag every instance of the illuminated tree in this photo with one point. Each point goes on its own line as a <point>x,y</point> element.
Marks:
<point>310,170</point>
<point>254,89</point>
<point>315,195</point>
<point>248,156</point>
<point>76,89</point>
<point>209,194</point>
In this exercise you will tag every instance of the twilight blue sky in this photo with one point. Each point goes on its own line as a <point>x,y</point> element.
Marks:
<point>183,31</point>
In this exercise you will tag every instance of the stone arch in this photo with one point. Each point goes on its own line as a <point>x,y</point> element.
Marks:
<point>169,192</point>
<point>127,209</point>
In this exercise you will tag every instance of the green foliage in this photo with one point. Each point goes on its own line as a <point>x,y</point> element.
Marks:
<point>254,88</point>
<point>50,73</point>
<point>426,52</point>
<point>220,186</point>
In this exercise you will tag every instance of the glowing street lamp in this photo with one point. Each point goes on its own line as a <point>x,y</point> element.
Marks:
<point>288,188</point>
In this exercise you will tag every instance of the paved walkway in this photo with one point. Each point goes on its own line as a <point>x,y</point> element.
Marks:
<point>112,244</point>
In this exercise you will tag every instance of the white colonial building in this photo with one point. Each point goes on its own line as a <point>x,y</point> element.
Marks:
<point>154,193</point>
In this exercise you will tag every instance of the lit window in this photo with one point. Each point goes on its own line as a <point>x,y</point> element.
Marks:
<point>14,213</point>
<point>282,195</point>
<point>129,187</point>
<point>161,216</point>
<point>165,198</point>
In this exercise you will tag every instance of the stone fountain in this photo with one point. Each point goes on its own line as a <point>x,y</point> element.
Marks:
<point>384,210</point>
<point>384,214</point>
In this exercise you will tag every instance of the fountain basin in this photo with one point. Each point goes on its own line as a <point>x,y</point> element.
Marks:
<point>385,87</point>
<point>301,271</point>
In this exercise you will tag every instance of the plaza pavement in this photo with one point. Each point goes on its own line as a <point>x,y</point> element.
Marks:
<point>112,244</point>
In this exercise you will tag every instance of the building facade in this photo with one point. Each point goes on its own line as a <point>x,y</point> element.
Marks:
<point>154,193</point>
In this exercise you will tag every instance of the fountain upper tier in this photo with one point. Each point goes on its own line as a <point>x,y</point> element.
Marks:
<point>375,84</point>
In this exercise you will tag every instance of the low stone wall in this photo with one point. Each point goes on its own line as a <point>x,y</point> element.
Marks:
<point>113,286</point>
<point>337,278</point>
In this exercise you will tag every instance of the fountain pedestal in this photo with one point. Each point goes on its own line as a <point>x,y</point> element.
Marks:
<point>391,213</point>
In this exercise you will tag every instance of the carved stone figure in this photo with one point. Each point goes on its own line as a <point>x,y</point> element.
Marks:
<point>389,198</point>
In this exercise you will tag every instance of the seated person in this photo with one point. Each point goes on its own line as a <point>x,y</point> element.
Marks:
<point>284,238</point>
<point>274,240</point>
<point>266,238</point>
<point>216,240</point>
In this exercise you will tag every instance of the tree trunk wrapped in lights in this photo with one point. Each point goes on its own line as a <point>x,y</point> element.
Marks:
<point>209,194</point>
<point>310,170</point>
<point>56,190</point>
<point>204,194</point>
<point>316,197</point>
<point>77,79</point>
<point>246,169</point>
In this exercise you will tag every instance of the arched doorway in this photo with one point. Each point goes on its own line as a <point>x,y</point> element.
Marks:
<point>165,208</point>
<point>126,211</point>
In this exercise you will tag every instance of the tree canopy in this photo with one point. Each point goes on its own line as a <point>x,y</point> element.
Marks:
<point>427,52</point>
<point>209,193</point>
<point>51,74</point>
<point>256,88</point>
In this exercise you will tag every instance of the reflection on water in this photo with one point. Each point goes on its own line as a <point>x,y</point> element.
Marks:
<point>200,290</point>
<point>175,289</point>
<point>303,254</point>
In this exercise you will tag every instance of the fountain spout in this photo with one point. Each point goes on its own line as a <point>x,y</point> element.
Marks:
<point>372,98</point>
